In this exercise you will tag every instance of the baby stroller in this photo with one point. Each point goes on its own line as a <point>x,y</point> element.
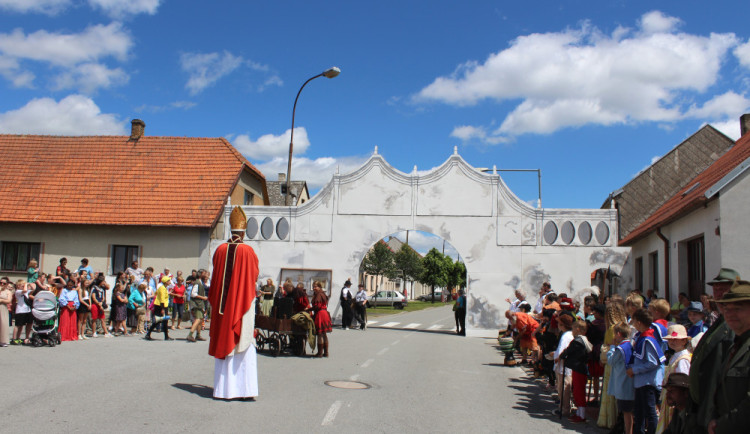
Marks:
<point>44,327</point>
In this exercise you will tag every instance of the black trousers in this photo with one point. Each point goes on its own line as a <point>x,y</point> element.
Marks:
<point>461,321</point>
<point>346,314</point>
<point>160,311</point>
<point>361,315</point>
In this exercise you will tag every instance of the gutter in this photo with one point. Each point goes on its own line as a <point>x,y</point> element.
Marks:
<point>666,262</point>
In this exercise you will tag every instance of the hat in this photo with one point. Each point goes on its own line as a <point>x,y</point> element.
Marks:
<point>740,291</point>
<point>165,279</point>
<point>238,220</point>
<point>725,275</point>
<point>677,379</point>
<point>695,306</point>
<point>676,331</point>
<point>566,304</point>
<point>348,283</point>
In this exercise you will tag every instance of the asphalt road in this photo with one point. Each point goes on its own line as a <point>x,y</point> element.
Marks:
<point>421,377</point>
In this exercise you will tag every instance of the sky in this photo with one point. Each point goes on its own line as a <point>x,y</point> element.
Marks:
<point>588,92</point>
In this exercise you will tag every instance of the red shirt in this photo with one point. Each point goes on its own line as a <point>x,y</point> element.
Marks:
<point>179,294</point>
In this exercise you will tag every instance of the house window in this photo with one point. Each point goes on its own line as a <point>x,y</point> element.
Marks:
<point>639,273</point>
<point>249,197</point>
<point>16,256</point>
<point>122,257</point>
<point>653,263</point>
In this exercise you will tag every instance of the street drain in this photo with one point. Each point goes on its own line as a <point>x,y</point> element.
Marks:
<point>339,384</point>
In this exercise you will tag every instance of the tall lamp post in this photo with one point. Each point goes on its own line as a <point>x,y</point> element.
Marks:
<point>329,73</point>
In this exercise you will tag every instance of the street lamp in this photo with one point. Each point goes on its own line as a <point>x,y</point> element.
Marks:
<point>329,73</point>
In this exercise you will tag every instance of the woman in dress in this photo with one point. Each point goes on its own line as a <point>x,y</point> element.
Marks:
<point>6,299</point>
<point>266,293</point>
<point>84,309</point>
<point>323,324</point>
<point>120,308</point>
<point>137,303</point>
<point>68,318</point>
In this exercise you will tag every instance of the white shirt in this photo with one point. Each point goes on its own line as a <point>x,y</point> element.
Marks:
<point>361,296</point>
<point>539,305</point>
<point>21,306</point>
<point>565,340</point>
<point>683,366</point>
<point>514,305</point>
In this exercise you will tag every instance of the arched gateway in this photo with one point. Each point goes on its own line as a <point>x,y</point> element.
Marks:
<point>505,243</point>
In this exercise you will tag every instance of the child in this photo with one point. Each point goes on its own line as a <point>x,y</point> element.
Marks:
<point>620,384</point>
<point>22,315</point>
<point>576,358</point>
<point>647,371</point>
<point>632,304</point>
<point>32,273</point>
<point>659,310</point>
<point>679,363</point>
<point>696,317</point>
<point>563,374</point>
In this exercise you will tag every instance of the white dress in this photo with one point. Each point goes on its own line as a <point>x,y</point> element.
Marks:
<point>236,376</point>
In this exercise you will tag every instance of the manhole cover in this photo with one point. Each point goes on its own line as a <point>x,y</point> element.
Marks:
<point>347,384</point>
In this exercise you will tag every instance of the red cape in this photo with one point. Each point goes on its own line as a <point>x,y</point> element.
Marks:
<point>231,295</point>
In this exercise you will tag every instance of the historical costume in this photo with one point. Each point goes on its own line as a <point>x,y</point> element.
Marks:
<point>232,294</point>
<point>323,324</point>
<point>68,325</point>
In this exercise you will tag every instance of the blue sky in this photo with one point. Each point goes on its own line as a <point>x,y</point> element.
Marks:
<point>589,92</point>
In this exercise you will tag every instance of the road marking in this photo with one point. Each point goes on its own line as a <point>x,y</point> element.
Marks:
<point>383,351</point>
<point>371,322</point>
<point>367,363</point>
<point>435,327</point>
<point>412,325</point>
<point>396,342</point>
<point>331,415</point>
<point>443,319</point>
<point>390,324</point>
<point>354,377</point>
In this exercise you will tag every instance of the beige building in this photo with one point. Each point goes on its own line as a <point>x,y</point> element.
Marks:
<point>115,199</point>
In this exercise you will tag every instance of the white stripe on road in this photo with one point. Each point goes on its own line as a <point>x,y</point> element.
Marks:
<point>367,363</point>
<point>435,327</point>
<point>383,351</point>
<point>390,324</point>
<point>396,342</point>
<point>331,415</point>
<point>412,325</point>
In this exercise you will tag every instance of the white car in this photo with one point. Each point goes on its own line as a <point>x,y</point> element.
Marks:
<point>387,298</point>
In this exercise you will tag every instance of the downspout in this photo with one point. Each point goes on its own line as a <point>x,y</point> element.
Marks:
<point>666,262</point>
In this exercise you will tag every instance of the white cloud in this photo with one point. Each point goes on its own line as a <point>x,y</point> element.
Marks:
<point>73,115</point>
<point>76,59</point>
<point>730,127</point>
<point>49,7</point>
<point>467,133</point>
<point>317,172</point>
<point>422,242</point>
<point>120,8</point>
<point>725,105</point>
<point>205,69</point>
<point>742,53</point>
<point>269,146</point>
<point>582,76</point>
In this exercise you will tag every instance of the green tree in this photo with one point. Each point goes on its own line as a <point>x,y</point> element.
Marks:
<point>379,261</point>
<point>434,271</point>
<point>457,275</point>
<point>408,263</point>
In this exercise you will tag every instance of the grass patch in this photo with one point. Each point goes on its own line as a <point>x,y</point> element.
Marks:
<point>412,306</point>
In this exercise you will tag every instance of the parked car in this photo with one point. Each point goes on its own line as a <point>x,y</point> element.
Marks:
<point>428,296</point>
<point>387,298</point>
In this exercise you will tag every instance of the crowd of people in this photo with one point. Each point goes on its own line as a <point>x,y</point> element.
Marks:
<point>140,302</point>
<point>649,367</point>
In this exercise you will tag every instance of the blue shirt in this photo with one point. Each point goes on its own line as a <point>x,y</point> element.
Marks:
<point>648,362</point>
<point>68,295</point>
<point>620,385</point>
<point>697,329</point>
<point>87,269</point>
<point>135,299</point>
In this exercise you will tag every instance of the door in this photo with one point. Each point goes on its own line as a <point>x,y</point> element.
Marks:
<point>696,268</point>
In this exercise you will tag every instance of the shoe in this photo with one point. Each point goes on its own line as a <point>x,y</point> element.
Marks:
<point>556,412</point>
<point>3,345</point>
<point>199,338</point>
<point>95,335</point>
<point>148,338</point>
<point>190,339</point>
<point>108,335</point>
<point>80,337</point>
<point>168,339</point>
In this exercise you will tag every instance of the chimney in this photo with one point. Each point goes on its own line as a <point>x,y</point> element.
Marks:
<point>136,129</point>
<point>744,124</point>
<point>282,177</point>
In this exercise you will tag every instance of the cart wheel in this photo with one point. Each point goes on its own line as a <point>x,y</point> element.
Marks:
<point>259,342</point>
<point>58,338</point>
<point>52,343</point>
<point>274,346</point>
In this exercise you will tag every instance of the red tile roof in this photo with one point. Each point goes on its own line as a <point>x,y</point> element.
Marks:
<point>112,180</point>
<point>693,195</point>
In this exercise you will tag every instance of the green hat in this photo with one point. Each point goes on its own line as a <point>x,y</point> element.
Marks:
<point>740,291</point>
<point>725,275</point>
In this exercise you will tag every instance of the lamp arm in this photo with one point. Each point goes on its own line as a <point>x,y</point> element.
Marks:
<point>291,141</point>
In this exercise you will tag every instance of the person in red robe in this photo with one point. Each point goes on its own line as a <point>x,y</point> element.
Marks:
<point>232,294</point>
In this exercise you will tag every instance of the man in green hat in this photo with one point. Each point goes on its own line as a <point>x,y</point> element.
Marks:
<point>732,412</point>
<point>706,364</point>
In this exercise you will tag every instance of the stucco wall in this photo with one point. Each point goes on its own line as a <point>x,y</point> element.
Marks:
<point>498,236</point>
<point>177,248</point>
<point>734,200</point>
